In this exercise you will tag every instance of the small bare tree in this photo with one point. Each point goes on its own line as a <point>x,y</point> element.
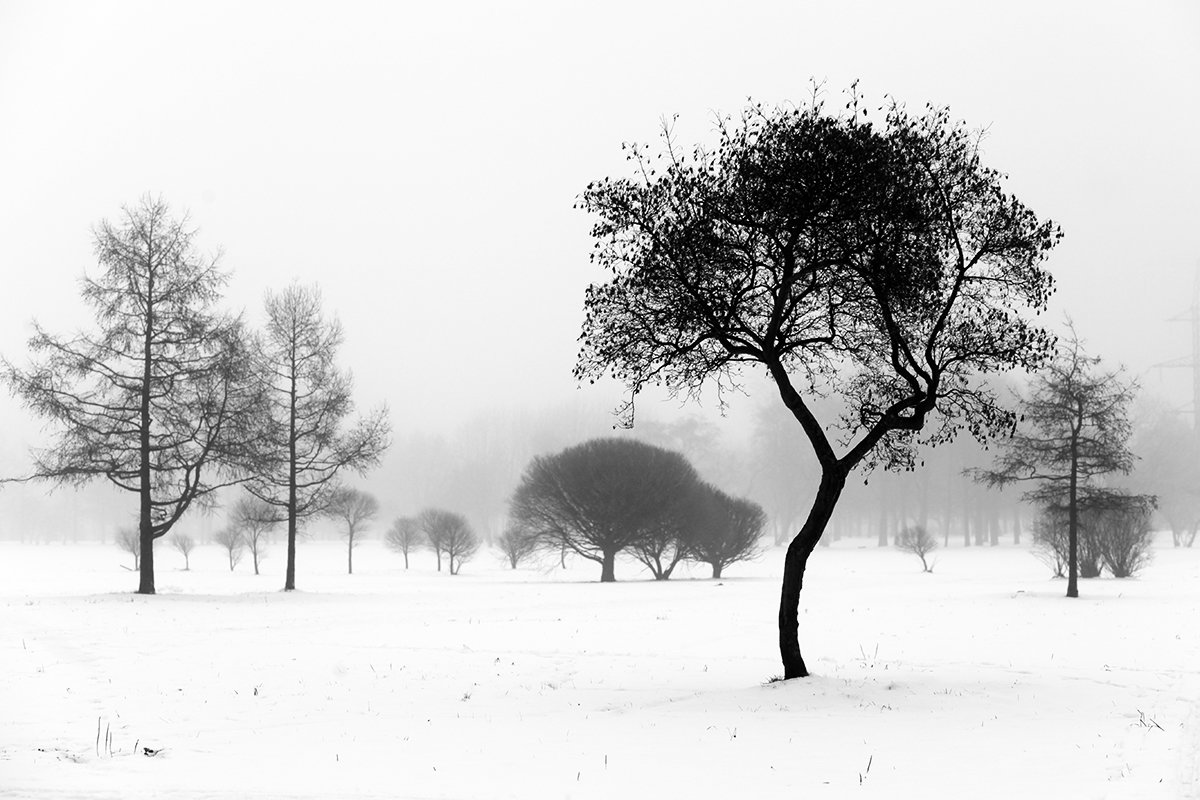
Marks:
<point>920,542</point>
<point>404,536</point>
<point>184,544</point>
<point>253,519</point>
<point>129,541</point>
<point>232,540</point>
<point>516,545</point>
<point>449,533</point>
<point>356,509</point>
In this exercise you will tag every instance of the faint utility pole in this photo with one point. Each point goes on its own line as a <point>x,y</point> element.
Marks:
<point>1192,362</point>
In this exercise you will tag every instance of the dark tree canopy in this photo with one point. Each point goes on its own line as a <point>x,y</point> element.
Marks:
<point>726,529</point>
<point>159,399</point>
<point>882,262</point>
<point>1075,429</point>
<point>603,496</point>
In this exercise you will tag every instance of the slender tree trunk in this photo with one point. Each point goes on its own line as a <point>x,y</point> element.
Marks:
<point>254,555</point>
<point>438,552</point>
<point>406,559</point>
<point>1073,527</point>
<point>716,565</point>
<point>833,480</point>
<point>608,567</point>
<point>145,522</point>
<point>289,581</point>
<point>350,554</point>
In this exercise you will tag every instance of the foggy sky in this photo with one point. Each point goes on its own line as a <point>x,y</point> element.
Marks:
<point>420,161</point>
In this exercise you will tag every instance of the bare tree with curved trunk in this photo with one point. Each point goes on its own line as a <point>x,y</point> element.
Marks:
<point>303,441</point>
<point>159,400</point>
<point>355,509</point>
<point>917,539</point>
<point>879,261</point>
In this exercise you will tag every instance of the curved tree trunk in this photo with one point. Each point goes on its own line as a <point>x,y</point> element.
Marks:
<point>833,480</point>
<point>608,567</point>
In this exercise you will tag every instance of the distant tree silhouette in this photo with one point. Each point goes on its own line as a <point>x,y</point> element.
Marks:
<point>1169,468</point>
<point>355,509</point>
<point>516,544</point>
<point>878,262</point>
<point>604,496</point>
<point>725,530</point>
<point>254,519</point>
<point>184,544</point>
<point>233,542</point>
<point>448,533</point>
<point>918,541</point>
<point>303,444</point>
<point>159,399</point>
<point>404,536</point>
<point>1076,428</point>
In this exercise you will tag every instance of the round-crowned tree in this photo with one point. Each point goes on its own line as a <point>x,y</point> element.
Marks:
<point>603,496</point>
<point>725,529</point>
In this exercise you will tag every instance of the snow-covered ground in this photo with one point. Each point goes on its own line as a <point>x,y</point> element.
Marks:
<point>978,681</point>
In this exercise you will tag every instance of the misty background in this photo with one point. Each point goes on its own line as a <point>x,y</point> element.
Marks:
<point>420,164</point>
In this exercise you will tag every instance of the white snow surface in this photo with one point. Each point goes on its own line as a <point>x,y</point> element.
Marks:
<point>980,680</point>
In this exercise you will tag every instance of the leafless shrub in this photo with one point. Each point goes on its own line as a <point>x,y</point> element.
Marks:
<point>1121,527</point>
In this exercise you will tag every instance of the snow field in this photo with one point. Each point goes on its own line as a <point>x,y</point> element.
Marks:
<point>979,680</point>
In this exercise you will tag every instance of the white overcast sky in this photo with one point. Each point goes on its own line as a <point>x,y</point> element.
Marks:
<point>420,160</point>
